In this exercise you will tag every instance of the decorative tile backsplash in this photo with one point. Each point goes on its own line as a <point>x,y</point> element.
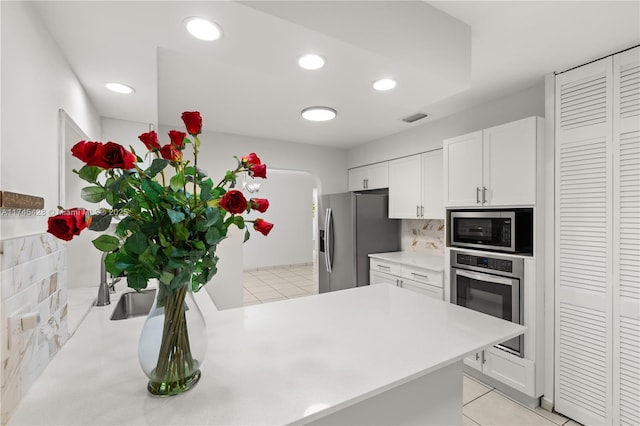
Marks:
<point>32,279</point>
<point>423,236</point>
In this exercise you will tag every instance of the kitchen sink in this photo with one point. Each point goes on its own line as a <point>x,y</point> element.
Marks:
<point>134,304</point>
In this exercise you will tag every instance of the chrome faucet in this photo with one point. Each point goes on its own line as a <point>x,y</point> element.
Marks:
<point>105,288</point>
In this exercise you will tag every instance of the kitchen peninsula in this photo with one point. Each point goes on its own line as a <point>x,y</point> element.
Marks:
<point>368,355</point>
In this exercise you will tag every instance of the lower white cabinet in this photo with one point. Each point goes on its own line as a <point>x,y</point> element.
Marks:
<point>410,277</point>
<point>516,372</point>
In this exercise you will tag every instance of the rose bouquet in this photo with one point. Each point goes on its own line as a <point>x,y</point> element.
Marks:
<point>171,218</point>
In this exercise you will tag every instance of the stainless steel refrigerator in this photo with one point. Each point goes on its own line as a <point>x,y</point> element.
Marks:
<point>353,225</point>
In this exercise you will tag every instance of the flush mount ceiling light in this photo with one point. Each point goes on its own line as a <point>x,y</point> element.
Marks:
<point>384,84</point>
<point>319,113</point>
<point>120,88</point>
<point>311,62</point>
<point>203,29</point>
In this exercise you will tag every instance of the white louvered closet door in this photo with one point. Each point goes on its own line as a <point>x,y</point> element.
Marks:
<point>626,237</point>
<point>597,341</point>
<point>583,155</point>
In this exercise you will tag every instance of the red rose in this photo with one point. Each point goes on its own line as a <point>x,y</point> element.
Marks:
<point>258,170</point>
<point>67,224</point>
<point>233,202</point>
<point>192,121</point>
<point>113,156</point>
<point>260,204</point>
<point>85,150</point>
<point>177,138</point>
<point>252,158</point>
<point>169,152</point>
<point>150,140</point>
<point>262,226</point>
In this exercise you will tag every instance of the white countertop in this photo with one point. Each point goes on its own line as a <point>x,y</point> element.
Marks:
<point>419,260</point>
<point>290,361</point>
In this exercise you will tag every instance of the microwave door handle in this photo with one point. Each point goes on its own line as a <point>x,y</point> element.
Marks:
<point>484,277</point>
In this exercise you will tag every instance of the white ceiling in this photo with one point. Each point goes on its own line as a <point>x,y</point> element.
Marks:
<point>248,82</point>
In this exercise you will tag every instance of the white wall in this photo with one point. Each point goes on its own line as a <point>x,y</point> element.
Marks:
<point>326,164</point>
<point>430,135</point>
<point>290,196</point>
<point>36,82</point>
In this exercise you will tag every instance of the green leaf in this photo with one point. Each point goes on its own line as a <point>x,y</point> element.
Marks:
<point>166,277</point>
<point>136,243</point>
<point>246,235</point>
<point>93,194</point>
<point>136,281</point>
<point>106,243</point>
<point>90,173</point>
<point>238,221</point>
<point>112,198</point>
<point>213,216</point>
<point>181,232</point>
<point>111,266</point>
<point>100,222</point>
<point>157,165</point>
<point>152,190</point>
<point>175,216</point>
<point>205,190</point>
<point>214,236</point>
<point>177,182</point>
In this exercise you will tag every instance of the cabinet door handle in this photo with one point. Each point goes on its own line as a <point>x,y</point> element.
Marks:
<point>484,191</point>
<point>477,195</point>
<point>426,277</point>
<point>477,356</point>
<point>421,211</point>
<point>383,267</point>
<point>417,211</point>
<point>484,360</point>
<point>399,283</point>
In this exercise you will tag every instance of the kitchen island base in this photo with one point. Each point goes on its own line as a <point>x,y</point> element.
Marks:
<point>432,399</point>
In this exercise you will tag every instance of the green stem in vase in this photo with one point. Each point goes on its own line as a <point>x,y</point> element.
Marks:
<point>176,369</point>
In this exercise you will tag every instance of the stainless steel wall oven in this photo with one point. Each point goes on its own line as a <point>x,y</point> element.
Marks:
<point>491,284</point>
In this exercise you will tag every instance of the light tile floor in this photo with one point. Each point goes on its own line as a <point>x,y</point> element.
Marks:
<point>285,282</point>
<point>482,405</point>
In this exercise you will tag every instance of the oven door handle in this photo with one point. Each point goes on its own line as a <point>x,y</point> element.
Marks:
<point>485,277</point>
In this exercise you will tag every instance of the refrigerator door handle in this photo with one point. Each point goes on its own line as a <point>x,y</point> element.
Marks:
<point>327,239</point>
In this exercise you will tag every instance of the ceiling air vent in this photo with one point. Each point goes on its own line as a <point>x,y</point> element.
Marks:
<point>414,117</point>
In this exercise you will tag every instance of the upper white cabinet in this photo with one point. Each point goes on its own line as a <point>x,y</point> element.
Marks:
<point>415,187</point>
<point>493,167</point>
<point>432,185</point>
<point>374,176</point>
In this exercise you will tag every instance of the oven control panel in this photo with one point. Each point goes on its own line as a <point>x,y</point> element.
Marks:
<point>484,262</point>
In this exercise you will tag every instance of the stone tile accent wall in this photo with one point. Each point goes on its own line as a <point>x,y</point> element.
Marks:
<point>423,236</point>
<point>33,277</point>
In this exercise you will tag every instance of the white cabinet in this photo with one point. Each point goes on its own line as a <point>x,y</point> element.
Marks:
<point>374,176</point>
<point>412,278</point>
<point>516,372</point>
<point>493,167</point>
<point>415,186</point>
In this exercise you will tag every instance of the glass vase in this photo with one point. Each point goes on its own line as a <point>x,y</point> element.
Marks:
<point>173,342</point>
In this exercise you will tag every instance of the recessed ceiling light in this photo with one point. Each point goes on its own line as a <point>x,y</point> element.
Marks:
<point>384,84</point>
<point>319,113</point>
<point>311,62</point>
<point>119,88</point>
<point>203,29</point>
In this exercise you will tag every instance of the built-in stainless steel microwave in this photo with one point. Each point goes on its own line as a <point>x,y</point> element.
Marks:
<point>509,231</point>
